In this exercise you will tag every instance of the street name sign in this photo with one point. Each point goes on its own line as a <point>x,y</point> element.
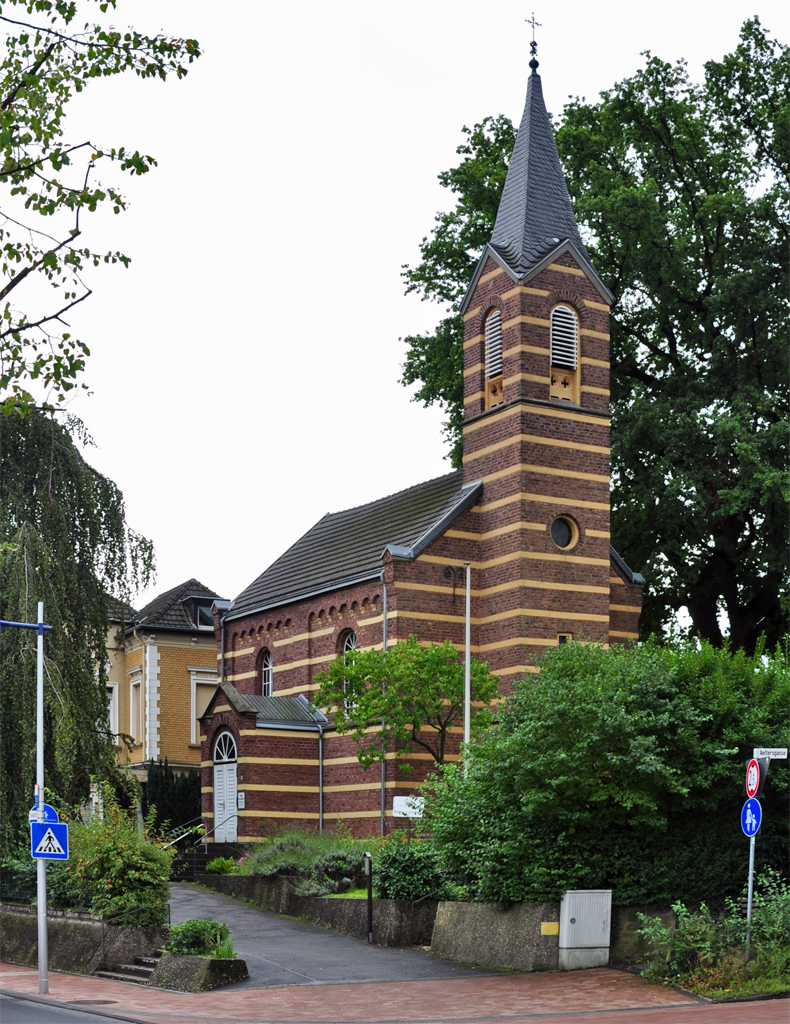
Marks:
<point>49,840</point>
<point>50,814</point>
<point>751,816</point>
<point>777,753</point>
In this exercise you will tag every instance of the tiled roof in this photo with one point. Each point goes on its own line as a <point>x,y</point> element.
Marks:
<point>120,611</point>
<point>344,547</point>
<point>535,210</point>
<point>168,611</point>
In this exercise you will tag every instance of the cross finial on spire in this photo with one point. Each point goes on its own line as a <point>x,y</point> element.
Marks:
<point>533,46</point>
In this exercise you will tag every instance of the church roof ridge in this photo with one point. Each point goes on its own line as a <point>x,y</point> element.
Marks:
<point>535,212</point>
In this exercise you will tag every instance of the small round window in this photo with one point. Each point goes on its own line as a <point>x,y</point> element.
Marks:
<point>564,532</point>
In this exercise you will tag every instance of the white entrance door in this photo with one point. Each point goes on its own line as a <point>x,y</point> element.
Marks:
<point>225,818</point>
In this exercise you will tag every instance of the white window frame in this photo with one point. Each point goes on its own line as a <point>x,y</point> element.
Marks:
<point>267,673</point>
<point>113,711</point>
<point>199,674</point>
<point>135,705</point>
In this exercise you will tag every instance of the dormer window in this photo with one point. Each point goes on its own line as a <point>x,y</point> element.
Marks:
<point>198,611</point>
<point>564,354</point>
<point>493,338</point>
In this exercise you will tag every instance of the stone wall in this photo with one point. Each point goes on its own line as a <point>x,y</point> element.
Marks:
<point>395,922</point>
<point>74,939</point>
<point>513,939</point>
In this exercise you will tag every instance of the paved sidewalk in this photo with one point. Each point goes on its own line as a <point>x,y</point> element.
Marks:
<point>601,996</point>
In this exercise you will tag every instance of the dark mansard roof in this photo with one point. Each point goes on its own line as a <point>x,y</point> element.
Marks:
<point>347,547</point>
<point>177,609</point>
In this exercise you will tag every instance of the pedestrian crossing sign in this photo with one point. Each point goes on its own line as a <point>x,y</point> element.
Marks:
<point>49,841</point>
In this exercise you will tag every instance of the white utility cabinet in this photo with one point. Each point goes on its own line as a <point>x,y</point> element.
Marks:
<point>585,928</point>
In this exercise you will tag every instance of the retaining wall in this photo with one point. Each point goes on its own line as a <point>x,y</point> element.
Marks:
<point>395,922</point>
<point>73,939</point>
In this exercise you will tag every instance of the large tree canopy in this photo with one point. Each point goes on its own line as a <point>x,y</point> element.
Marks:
<point>684,192</point>
<point>50,54</point>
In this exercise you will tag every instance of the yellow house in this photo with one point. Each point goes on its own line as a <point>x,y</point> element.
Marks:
<point>162,673</point>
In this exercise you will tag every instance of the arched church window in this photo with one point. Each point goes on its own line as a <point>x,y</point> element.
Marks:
<point>564,354</point>
<point>348,643</point>
<point>267,673</point>
<point>493,338</point>
<point>225,747</point>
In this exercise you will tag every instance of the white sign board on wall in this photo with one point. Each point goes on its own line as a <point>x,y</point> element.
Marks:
<point>408,806</point>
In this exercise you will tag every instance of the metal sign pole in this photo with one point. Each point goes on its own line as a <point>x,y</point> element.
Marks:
<point>749,897</point>
<point>41,864</point>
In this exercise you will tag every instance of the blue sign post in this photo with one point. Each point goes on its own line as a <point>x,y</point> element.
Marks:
<point>49,840</point>
<point>751,817</point>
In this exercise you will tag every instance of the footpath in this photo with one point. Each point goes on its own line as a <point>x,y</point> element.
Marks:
<point>304,974</point>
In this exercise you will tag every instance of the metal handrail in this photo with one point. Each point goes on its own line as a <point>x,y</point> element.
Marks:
<point>184,824</point>
<point>189,832</point>
<point>203,839</point>
<point>126,913</point>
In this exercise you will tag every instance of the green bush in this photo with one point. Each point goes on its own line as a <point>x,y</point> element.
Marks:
<point>319,863</point>
<point>706,952</point>
<point>200,937</point>
<point>115,867</point>
<point>407,871</point>
<point>222,866</point>
<point>619,769</point>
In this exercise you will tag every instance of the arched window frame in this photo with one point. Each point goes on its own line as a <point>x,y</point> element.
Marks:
<point>348,642</point>
<point>267,673</point>
<point>564,336</point>
<point>493,358</point>
<point>225,748</point>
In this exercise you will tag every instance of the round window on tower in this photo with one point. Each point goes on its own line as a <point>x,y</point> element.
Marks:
<point>564,532</point>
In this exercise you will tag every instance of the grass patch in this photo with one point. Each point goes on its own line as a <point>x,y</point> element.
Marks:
<point>351,894</point>
<point>751,987</point>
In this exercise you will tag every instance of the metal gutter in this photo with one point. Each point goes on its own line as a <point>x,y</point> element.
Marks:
<point>469,494</point>
<point>630,575</point>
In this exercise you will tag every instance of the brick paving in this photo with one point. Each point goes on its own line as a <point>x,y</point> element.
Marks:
<point>601,996</point>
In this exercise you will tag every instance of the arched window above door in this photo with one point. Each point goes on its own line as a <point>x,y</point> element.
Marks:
<point>225,748</point>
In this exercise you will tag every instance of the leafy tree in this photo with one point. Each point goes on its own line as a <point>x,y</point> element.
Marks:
<point>684,190</point>
<point>50,55</point>
<point>416,693</point>
<point>63,540</point>
<point>619,769</point>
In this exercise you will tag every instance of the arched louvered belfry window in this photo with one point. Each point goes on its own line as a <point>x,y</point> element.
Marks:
<point>493,338</point>
<point>564,354</point>
<point>267,674</point>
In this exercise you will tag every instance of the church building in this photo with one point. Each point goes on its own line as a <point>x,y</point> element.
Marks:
<point>529,511</point>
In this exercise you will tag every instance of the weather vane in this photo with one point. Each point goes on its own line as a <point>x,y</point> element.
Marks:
<point>533,46</point>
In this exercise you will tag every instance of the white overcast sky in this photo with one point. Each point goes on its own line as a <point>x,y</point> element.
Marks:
<point>244,370</point>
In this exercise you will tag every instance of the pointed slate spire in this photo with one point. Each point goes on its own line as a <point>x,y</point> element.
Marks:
<point>535,210</point>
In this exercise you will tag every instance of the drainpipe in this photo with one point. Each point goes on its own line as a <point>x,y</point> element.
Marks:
<point>222,649</point>
<point>320,778</point>
<point>384,631</point>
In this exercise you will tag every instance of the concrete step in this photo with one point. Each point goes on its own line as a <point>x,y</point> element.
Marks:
<point>135,970</point>
<point>134,979</point>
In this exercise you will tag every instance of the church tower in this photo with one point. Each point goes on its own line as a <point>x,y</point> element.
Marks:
<point>536,415</point>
